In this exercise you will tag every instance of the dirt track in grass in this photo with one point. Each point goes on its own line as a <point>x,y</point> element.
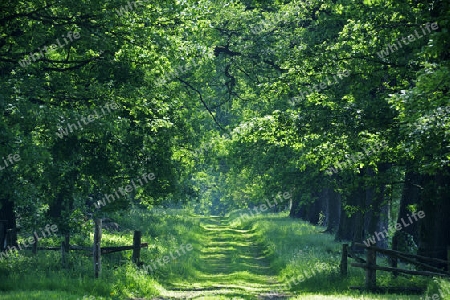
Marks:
<point>233,266</point>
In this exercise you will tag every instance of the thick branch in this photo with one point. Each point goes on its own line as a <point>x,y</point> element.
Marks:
<point>203,102</point>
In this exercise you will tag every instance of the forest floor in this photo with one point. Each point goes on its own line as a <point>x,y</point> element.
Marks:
<point>233,267</point>
<point>234,264</point>
<point>232,259</point>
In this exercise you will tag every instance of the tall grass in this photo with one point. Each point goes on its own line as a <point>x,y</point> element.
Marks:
<point>294,249</point>
<point>298,249</point>
<point>43,277</point>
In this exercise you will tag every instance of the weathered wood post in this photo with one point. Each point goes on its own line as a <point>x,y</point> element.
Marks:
<point>67,242</point>
<point>371,272</point>
<point>393,261</point>
<point>137,247</point>
<point>63,255</point>
<point>97,251</point>
<point>35,245</point>
<point>343,265</point>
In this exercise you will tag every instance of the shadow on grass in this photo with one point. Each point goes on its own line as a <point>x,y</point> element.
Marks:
<point>230,260</point>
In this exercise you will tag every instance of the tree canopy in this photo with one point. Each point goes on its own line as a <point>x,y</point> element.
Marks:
<point>344,104</point>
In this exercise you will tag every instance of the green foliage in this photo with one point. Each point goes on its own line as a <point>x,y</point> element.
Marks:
<point>227,102</point>
<point>164,230</point>
<point>300,249</point>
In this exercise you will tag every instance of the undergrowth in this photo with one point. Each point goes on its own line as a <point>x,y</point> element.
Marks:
<point>307,260</point>
<point>42,276</point>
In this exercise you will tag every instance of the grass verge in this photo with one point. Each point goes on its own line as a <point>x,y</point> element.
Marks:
<point>42,276</point>
<point>307,261</point>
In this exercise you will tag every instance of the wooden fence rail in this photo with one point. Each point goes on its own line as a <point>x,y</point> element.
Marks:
<point>370,266</point>
<point>104,250</point>
<point>96,249</point>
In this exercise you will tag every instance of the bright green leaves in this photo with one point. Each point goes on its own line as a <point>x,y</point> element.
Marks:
<point>424,113</point>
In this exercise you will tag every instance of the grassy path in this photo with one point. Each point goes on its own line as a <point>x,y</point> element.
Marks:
<point>233,266</point>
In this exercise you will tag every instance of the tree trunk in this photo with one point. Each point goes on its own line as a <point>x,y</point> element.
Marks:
<point>434,234</point>
<point>59,211</point>
<point>333,213</point>
<point>410,196</point>
<point>3,228</point>
<point>376,216</point>
<point>8,216</point>
<point>313,209</point>
<point>351,225</point>
<point>295,207</point>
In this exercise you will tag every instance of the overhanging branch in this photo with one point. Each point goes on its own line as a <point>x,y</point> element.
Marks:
<point>203,102</point>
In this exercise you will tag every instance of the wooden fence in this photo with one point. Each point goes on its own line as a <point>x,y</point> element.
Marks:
<point>370,266</point>
<point>96,249</point>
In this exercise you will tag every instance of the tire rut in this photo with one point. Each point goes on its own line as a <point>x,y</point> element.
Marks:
<point>234,267</point>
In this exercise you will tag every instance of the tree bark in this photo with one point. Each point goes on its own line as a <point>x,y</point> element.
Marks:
<point>351,227</point>
<point>434,234</point>
<point>7,214</point>
<point>410,196</point>
<point>295,211</point>
<point>333,213</point>
<point>376,216</point>
<point>314,208</point>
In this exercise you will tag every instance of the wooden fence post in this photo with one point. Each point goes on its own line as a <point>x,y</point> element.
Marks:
<point>137,247</point>
<point>63,255</point>
<point>97,251</point>
<point>67,242</point>
<point>393,261</point>
<point>343,265</point>
<point>35,245</point>
<point>371,273</point>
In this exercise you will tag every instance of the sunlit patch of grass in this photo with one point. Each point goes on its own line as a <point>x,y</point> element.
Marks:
<point>58,282</point>
<point>39,295</point>
<point>231,259</point>
<point>439,287</point>
<point>25,273</point>
<point>110,239</point>
<point>355,297</point>
<point>299,250</point>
